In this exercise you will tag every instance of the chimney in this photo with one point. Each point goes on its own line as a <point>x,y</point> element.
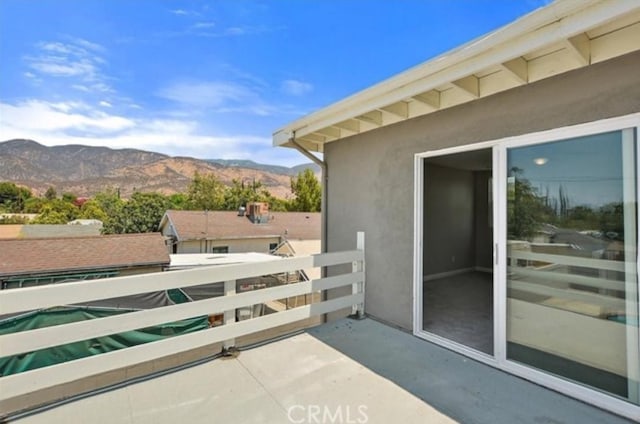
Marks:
<point>258,212</point>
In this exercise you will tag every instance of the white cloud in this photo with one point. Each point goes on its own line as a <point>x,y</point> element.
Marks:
<point>207,94</point>
<point>296,88</point>
<point>38,117</point>
<point>77,60</point>
<point>78,123</point>
<point>203,25</point>
<point>104,103</point>
<point>88,44</point>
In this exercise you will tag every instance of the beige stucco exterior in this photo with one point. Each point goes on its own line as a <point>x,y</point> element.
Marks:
<point>260,245</point>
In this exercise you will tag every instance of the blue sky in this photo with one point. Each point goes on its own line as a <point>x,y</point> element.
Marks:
<point>211,79</point>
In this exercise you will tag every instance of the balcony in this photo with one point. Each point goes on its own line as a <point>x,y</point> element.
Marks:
<point>347,371</point>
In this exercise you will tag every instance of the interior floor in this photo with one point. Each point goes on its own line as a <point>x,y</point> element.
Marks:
<point>460,308</point>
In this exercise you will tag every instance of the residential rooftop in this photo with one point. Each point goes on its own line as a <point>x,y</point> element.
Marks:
<point>26,256</point>
<point>211,225</point>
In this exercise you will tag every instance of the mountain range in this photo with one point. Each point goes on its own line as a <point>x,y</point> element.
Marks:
<point>86,170</point>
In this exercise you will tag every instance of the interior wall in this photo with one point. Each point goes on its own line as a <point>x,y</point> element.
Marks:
<point>371,175</point>
<point>448,219</point>
<point>483,222</point>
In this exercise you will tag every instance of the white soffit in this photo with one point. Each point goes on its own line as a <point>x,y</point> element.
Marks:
<point>565,35</point>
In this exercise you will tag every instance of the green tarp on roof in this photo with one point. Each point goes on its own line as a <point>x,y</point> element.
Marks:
<point>63,353</point>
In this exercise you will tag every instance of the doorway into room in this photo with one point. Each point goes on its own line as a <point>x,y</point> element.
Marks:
<point>457,256</point>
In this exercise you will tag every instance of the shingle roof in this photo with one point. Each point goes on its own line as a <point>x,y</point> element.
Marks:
<point>27,256</point>
<point>215,225</point>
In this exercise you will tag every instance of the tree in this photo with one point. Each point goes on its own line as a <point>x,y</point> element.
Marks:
<point>51,193</point>
<point>526,209</point>
<point>140,214</point>
<point>57,211</point>
<point>13,197</point>
<point>241,193</point>
<point>178,201</point>
<point>34,205</point>
<point>91,210</point>
<point>69,197</point>
<point>307,192</point>
<point>109,201</point>
<point>205,192</point>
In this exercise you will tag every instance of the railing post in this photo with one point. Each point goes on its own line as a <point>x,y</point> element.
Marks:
<point>230,315</point>
<point>357,266</point>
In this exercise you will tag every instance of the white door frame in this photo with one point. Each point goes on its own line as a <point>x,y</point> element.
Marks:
<point>418,286</point>
<point>499,173</point>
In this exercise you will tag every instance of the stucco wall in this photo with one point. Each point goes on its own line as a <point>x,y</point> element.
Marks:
<point>371,175</point>
<point>483,230</point>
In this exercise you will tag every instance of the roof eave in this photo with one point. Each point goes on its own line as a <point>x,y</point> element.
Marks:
<point>553,23</point>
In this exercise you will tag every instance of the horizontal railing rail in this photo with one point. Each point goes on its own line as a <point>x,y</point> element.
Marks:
<point>602,264</point>
<point>33,298</point>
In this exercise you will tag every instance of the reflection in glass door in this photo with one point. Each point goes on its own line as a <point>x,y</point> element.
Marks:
<point>572,286</point>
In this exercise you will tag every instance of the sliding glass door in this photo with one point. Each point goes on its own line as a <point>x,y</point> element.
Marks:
<point>571,277</point>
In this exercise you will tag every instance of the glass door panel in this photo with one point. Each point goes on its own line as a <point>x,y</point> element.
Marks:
<point>572,286</point>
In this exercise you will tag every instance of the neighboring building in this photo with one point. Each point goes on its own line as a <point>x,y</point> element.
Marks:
<point>85,222</point>
<point>257,230</point>
<point>29,262</point>
<point>452,169</point>
<point>290,248</point>
<point>30,231</point>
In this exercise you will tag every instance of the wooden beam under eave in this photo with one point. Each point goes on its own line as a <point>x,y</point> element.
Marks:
<point>351,125</point>
<point>429,98</point>
<point>373,117</point>
<point>517,67</point>
<point>469,85</point>
<point>315,138</point>
<point>309,144</point>
<point>580,47</point>
<point>400,109</point>
<point>344,132</point>
<point>330,132</point>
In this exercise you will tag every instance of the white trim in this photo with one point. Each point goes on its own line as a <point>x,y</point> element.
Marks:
<point>458,348</point>
<point>418,206</point>
<point>571,131</point>
<point>500,255</point>
<point>418,280</point>
<point>630,200</point>
<point>576,390</point>
<point>458,149</point>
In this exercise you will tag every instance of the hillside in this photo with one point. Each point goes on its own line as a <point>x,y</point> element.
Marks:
<point>86,170</point>
<point>276,169</point>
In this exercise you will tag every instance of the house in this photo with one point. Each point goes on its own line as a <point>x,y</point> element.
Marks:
<point>453,167</point>
<point>30,262</point>
<point>256,230</point>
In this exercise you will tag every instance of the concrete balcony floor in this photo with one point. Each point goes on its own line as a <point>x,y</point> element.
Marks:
<point>342,372</point>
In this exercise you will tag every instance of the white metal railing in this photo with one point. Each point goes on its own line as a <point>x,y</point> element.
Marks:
<point>33,298</point>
